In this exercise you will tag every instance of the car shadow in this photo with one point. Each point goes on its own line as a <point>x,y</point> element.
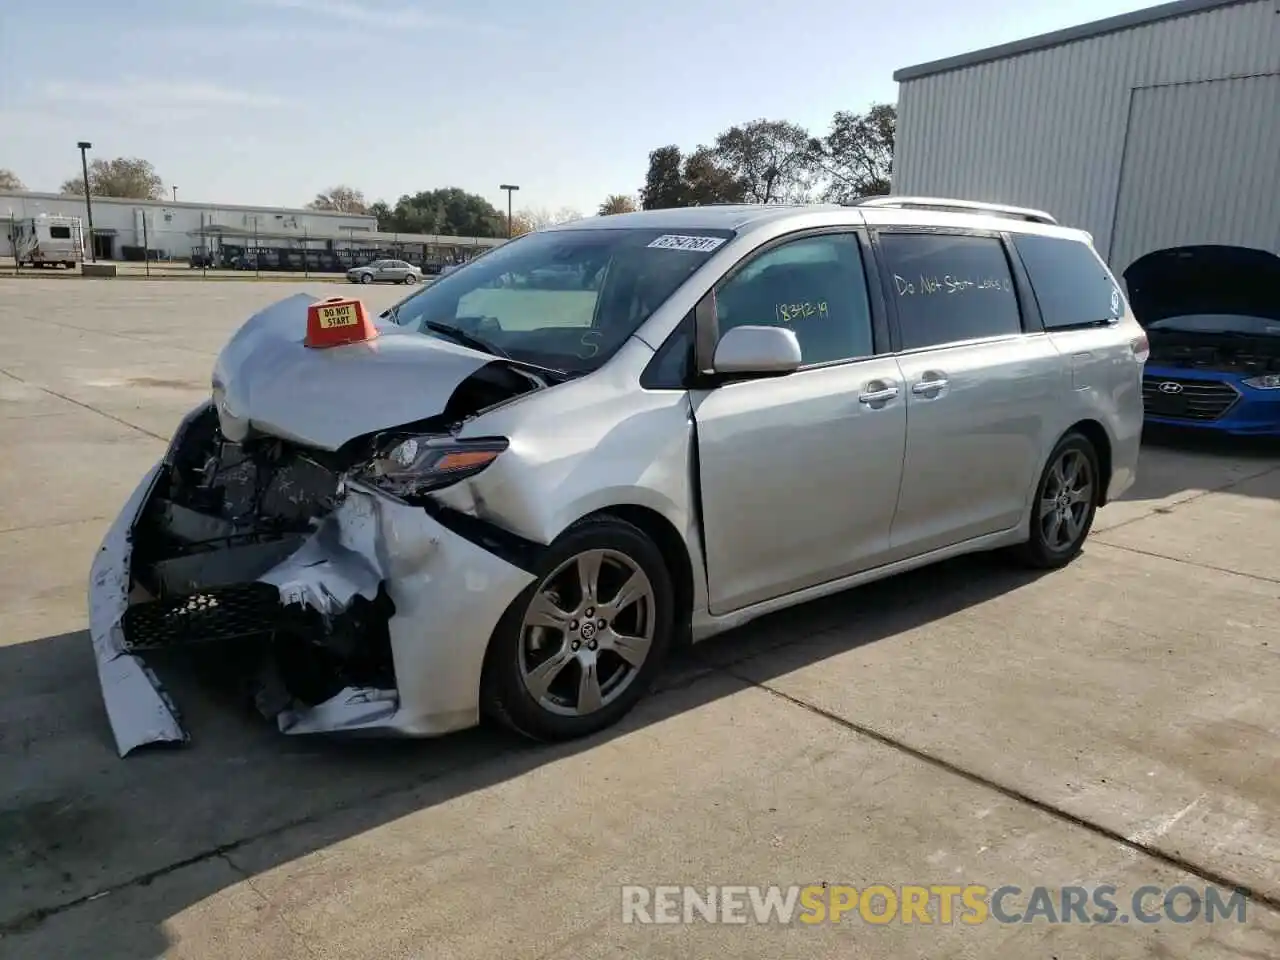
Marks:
<point>88,833</point>
<point>1177,460</point>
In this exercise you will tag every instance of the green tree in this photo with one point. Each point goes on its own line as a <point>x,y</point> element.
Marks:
<point>706,181</point>
<point>616,203</point>
<point>450,211</point>
<point>380,210</point>
<point>857,153</point>
<point>674,180</point>
<point>129,177</point>
<point>342,199</point>
<point>773,159</point>
<point>664,182</point>
<point>9,180</point>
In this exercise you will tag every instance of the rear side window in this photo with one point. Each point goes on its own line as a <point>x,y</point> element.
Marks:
<point>948,289</point>
<point>1071,285</point>
<point>60,233</point>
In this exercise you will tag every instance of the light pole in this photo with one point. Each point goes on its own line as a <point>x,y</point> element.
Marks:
<point>510,188</point>
<point>175,194</point>
<point>85,145</point>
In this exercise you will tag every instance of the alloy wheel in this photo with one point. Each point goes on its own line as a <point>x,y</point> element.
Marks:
<point>1066,500</point>
<point>587,633</point>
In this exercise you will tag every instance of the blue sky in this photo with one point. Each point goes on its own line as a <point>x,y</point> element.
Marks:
<point>269,101</point>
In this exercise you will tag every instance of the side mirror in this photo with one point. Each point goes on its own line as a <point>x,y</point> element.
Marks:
<point>761,351</point>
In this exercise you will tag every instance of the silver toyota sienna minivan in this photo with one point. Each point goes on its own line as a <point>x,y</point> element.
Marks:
<point>510,494</point>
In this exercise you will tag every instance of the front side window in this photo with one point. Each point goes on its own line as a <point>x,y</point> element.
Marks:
<point>949,288</point>
<point>816,286</point>
<point>1071,285</point>
<point>60,233</point>
<point>565,299</point>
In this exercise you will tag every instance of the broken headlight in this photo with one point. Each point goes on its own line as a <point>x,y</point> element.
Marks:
<point>407,467</point>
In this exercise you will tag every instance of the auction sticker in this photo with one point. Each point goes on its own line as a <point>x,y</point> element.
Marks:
<point>673,241</point>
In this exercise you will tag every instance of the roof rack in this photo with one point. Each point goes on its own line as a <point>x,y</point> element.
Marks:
<point>957,206</point>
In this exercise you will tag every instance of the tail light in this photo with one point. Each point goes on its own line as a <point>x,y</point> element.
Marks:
<point>1141,348</point>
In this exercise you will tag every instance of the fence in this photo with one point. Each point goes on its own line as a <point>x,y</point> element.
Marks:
<point>212,252</point>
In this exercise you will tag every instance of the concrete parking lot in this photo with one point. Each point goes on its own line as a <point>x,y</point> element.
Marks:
<point>1116,722</point>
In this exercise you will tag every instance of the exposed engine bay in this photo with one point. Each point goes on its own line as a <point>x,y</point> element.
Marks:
<point>215,543</point>
<point>223,516</point>
<point>1249,356</point>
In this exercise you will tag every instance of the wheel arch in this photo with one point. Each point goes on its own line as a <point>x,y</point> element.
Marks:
<point>673,549</point>
<point>1096,434</point>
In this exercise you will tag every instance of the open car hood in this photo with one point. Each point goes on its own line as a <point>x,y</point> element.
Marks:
<point>1183,281</point>
<point>266,381</point>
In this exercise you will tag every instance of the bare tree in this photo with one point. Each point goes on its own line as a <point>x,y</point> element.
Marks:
<point>617,203</point>
<point>342,199</point>
<point>129,177</point>
<point>539,218</point>
<point>9,180</point>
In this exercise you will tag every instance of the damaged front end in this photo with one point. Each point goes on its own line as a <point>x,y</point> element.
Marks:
<point>246,545</point>
<point>321,573</point>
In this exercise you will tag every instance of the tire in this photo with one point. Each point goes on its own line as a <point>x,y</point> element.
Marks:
<point>410,279</point>
<point>1050,546</point>
<point>366,278</point>
<point>523,657</point>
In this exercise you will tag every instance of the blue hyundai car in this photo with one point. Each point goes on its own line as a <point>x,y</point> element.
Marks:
<point>1212,316</point>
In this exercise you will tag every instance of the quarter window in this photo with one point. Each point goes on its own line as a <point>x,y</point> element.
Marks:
<point>950,288</point>
<point>816,286</point>
<point>1072,286</point>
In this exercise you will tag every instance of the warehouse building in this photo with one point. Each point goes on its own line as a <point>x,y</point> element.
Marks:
<point>123,228</point>
<point>1151,130</point>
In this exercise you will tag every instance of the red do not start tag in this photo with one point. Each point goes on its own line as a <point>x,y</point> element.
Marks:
<point>338,321</point>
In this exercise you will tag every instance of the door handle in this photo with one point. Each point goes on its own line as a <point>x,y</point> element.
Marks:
<point>925,387</point>
<point>880,395</point>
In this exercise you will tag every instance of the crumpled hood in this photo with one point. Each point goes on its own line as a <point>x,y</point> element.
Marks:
<point>267,381</point>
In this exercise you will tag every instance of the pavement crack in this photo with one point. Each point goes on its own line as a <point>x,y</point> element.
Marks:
<point>1138,845</point>
<point>85,406</point>
<point>1190,563</point>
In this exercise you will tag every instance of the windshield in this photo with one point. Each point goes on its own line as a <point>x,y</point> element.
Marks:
<point>564,299</point>
<point>1219,323</point>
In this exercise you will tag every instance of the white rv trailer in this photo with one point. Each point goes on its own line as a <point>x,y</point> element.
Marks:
<point>46,241</point>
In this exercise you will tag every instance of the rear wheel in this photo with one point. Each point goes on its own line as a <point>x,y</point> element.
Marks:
<point>1065,505</point>
<point>579,648</point>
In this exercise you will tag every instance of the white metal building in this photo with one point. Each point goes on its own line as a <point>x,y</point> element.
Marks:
<point>1155,129</point>
<point>174,229</point>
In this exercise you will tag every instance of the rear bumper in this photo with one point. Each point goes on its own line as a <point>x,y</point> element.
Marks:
<point>448,595</point>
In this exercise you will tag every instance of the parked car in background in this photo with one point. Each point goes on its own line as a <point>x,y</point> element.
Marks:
<point>385,271</point>
<point>1212,314</point>
<point>515,498</point>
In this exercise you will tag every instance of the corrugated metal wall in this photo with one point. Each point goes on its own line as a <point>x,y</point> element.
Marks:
<point>1201,165</point>
<point>1047,129</point>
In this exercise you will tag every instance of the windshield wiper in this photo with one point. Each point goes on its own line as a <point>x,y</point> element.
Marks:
<point>464,338</point>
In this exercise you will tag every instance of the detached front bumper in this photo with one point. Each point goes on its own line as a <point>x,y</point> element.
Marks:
<point>448,593</point>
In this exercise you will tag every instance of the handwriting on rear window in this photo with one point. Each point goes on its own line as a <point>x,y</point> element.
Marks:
<point>791,312</point>
<point>947,284</point>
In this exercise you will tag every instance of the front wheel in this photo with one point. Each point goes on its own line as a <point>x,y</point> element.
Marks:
<point>409,278</point>
<point>366,278</point>
<point>579,648</point>
<point>1065,504</point>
